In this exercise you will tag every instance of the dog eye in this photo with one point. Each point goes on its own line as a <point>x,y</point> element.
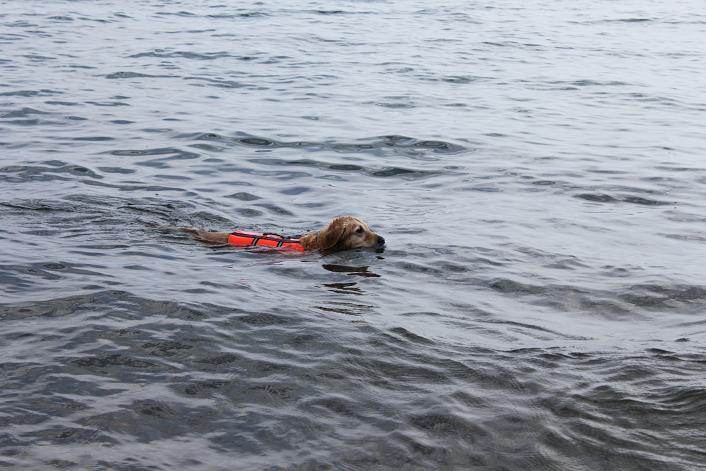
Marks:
<point>359,230</point>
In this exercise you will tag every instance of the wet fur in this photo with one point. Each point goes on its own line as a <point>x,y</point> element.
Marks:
<point>343,233</point>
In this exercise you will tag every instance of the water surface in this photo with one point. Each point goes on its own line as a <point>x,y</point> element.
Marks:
<point>536,168</point>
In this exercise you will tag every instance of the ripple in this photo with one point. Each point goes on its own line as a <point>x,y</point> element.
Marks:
<point>398,144</point>
<point>160,53</point>
<point>31,93</point>
<point>244,196</point>
<point>21,113</point>
<point>128,75</point>
<point>219,83</point>
<point>605,198</point>
<point>26,173</point>
<point>170,154</point>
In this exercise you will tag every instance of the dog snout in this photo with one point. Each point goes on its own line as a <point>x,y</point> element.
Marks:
<point>381,240</point>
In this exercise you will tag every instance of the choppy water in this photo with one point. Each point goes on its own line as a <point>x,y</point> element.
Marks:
<point>537,169</point>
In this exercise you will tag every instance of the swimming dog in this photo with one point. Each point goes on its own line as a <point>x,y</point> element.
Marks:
<point>343,233</point>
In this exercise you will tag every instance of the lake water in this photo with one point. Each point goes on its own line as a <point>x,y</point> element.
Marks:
<point>536,167</point>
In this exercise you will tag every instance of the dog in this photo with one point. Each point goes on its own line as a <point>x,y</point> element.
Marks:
<point>343,233</point>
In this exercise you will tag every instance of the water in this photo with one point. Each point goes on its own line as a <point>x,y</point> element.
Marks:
<point>536,168</point>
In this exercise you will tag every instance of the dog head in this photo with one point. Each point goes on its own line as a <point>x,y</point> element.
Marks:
<point>347,232</point>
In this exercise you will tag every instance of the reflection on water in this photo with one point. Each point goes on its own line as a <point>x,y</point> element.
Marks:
<point>536,171</point>
<point>344,288</point>
<point>355,271</point>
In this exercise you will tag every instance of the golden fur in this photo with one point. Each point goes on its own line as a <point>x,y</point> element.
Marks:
<point>343,233</point>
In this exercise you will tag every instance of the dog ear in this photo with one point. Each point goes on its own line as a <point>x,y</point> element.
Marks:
<point>332,237</point>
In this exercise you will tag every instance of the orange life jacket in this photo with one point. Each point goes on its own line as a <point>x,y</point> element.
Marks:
<point>245,239</point>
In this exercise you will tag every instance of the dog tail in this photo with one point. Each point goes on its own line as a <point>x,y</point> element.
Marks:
<point>188,230</point>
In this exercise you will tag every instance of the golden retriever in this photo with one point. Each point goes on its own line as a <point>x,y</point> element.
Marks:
<point>343,233</point>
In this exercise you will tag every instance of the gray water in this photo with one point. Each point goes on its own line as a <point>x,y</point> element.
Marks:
<point>536,167</point>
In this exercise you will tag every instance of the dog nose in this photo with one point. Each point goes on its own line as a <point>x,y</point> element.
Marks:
<point>381,240</point>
